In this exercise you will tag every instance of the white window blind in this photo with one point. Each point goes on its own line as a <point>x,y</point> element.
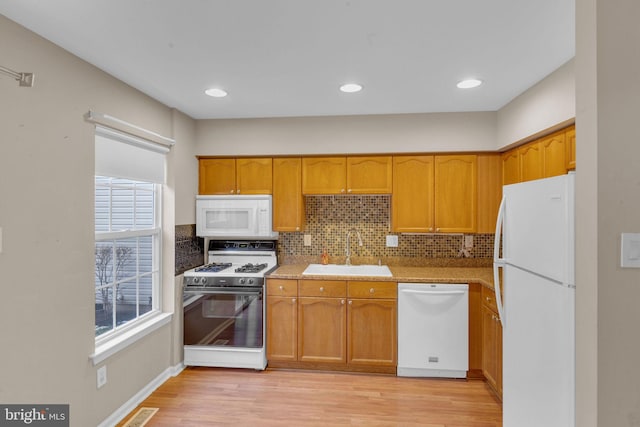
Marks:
<point>126,156</point>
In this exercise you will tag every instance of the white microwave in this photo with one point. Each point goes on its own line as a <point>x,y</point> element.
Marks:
<point>237,217</point>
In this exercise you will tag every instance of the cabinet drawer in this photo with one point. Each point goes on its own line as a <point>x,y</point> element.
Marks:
<point>322,288</point>
<point>489,299</point>
<point>280,287</point>
<point>363,289</point>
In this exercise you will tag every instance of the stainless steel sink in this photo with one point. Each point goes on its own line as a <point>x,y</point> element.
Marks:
<point>347,270</point>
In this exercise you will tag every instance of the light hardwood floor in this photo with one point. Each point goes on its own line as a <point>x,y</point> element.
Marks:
<point>236,397</point>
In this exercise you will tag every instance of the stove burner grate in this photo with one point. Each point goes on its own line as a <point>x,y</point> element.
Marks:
<point>214,267</point>
<point>251,268</point>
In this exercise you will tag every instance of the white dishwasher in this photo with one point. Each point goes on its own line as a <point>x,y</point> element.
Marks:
<point>433,330</point>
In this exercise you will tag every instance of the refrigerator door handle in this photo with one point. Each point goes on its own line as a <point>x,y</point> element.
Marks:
<point>497,261</point>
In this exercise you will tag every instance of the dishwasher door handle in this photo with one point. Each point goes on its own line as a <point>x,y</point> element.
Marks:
<point>413,291</point>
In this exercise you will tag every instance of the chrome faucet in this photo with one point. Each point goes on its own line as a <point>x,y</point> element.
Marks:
<point>347,249</point>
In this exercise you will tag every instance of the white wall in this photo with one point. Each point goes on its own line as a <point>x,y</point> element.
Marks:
<point>186,167</point>
<point>549,104</point>
<point>46,214</point>
<point>608,202</point>
<point>348,134</point>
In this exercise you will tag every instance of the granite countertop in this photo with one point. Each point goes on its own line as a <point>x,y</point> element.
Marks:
<point>409,274</point>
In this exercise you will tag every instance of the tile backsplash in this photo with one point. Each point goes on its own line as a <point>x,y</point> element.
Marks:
<point>189,248</point>
<point>329,218</point>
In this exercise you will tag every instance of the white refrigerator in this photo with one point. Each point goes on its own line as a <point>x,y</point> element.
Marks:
<point>537,309</point>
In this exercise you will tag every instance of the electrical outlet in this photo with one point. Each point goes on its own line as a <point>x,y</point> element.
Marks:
<point>392,241</point>
<point>102,376</point>
<point>307,239</point>
<point>468,241</point>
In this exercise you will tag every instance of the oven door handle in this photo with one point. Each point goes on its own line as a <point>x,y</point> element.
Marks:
<point>223,292</point>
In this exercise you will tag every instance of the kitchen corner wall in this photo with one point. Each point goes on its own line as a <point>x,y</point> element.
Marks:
<point>329,218</point>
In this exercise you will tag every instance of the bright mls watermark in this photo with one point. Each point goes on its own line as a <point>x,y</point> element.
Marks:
<point>34,415</point>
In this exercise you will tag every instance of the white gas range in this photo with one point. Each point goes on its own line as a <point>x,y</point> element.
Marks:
<point>224,305</point>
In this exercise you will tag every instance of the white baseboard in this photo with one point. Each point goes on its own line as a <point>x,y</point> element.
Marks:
<point>137,398</point>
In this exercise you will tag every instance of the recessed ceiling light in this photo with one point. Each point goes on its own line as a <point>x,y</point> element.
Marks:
<point>351,87</point>
<point>469,83</point>
<point>216,93</point>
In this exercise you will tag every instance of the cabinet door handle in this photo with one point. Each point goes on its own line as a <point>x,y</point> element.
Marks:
<point>487,298</point>
<point>349,191</point>
<point>281,288</point>
<point>342,190</point>
<point>342,302</point>
<point>438,229</point>
<point>430,228</point>
<point>372,290</point>
<point>350,302</point>
<point>231,191</point>
<point>293,300</point>
<point>321,288</point>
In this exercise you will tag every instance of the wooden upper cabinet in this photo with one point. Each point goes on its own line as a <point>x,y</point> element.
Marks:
<point>548,156</point>
<point>254,176</point>
<point>570,147</point>
<point>412,200</point>
<point>489,191</point>
<point>235,176</point>
<point>369,175</point>
<point>553,155</point>
<point>455,193</point>
<point>531,166</point>
<point>324,175</point>
<point>347,175</point>
<point>510,167</point>
<point>288,201</point>
<point>217,176</point>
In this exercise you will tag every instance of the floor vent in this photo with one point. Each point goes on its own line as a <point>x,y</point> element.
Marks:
<point>141,417</point>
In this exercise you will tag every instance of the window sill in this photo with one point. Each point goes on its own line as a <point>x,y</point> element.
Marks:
<point>125,339</point>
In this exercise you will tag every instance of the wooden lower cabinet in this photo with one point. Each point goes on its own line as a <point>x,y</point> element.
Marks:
<point>372,332</point>
<point>491,342</point>
<point>352,326</point>
<point>372,313</point>
<point>282,320</point>
<point>322,330</point>
<point>339,325</point>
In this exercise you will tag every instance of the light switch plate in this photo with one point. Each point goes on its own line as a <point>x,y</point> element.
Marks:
<point>392,241</point>
<point>630,250</point>
<point>307,239</point>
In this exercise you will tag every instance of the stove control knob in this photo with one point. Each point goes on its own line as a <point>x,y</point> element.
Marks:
<point>241,281</point>
<point>204,280</point>
<point>251,281</point>
<point>196,279</point>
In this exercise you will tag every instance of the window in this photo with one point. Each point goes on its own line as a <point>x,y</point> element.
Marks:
<point>127,235</point>
<point>129,173</point>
